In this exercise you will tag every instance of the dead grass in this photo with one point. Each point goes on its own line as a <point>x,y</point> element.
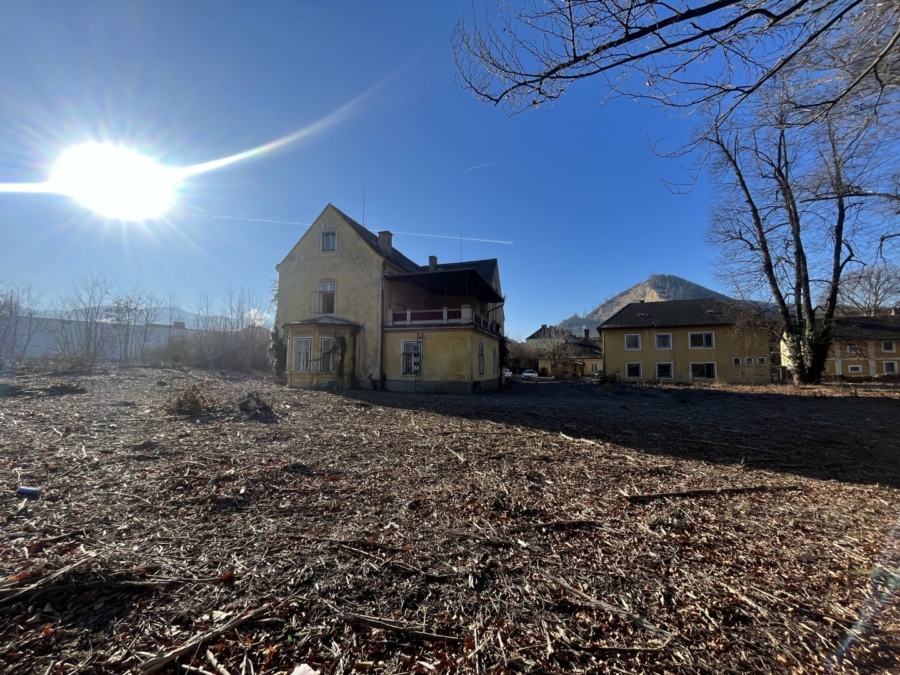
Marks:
<point>483,534</point>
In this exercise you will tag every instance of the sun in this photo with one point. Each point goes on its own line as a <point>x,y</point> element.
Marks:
<point>115,182</point>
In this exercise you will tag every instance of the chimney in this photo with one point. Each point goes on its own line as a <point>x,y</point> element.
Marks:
<point>386,242</point>
<point>432,263</point>
<point>587,333</point>
<point>544,326</point>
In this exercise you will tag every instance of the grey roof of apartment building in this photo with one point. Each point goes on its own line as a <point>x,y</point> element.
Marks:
<point>867,328</point>
<point>673,313</point>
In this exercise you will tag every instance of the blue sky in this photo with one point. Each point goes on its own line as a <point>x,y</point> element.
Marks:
<point>577,188</point>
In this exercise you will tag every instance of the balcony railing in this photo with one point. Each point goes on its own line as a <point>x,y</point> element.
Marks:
<point>418,317</point>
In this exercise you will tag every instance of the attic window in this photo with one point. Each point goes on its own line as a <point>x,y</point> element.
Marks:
<point>329,240</point>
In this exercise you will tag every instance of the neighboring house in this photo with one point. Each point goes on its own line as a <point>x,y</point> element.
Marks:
<point>354,311</point>
<point>685,341</point>
<point>547,333</point>
<point>577,357</point>
<point>864,346</point>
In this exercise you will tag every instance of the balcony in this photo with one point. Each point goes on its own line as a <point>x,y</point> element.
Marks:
<point>444,316</point>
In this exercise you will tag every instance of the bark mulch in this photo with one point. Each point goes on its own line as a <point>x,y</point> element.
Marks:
<point>215,524</point>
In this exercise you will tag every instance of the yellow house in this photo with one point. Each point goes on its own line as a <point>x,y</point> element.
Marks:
<point>865,346</point>
<point>685,341</point>
<point>355,312</point>
<point>574,357</point>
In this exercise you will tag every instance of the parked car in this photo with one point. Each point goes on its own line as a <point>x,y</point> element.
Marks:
<point>507,372</point>
<point>529,375</point>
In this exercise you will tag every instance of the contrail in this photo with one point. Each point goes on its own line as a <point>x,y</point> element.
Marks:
<point>444,236</point>
<point>251,220</point>
<point>481,166</point>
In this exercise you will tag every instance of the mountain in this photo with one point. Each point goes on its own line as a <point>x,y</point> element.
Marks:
<point>657,287</point>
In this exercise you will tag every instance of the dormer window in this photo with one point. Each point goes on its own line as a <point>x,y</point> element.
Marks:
<point>329,240</point>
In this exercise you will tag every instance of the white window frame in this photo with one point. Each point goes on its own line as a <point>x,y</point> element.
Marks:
<point>748,361</point>
<point>762,360</point>
<point>633,349</point>
<point>656,342</point>
<point>671,370</point>
<point>640,375</point>
<point>892,343</point>
<point>854,349</point>
<point>333,234</point>
<point>705,363</point>
<point>894,364</point>
<point>319,296</point>
<point>737,362</point>
<point>854,369</point>
<point>481,358</point>
<point>294,365</point>
<point>594,368</point>
<point>706,332</point>
<point>333,356</point>
<point>415,364</point>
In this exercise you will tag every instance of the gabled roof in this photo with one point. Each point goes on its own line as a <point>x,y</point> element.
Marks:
<point>867,328</point>
<point>673,313</point>
<point>546,332</point>
<point>371,239</point>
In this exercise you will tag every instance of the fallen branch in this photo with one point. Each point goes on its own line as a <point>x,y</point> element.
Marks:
<point>396,626</point>
<point>44,580</point>
<point>557,524</point>
<point>636,620</point>
<point>161,661</point>
<point>689,494</point>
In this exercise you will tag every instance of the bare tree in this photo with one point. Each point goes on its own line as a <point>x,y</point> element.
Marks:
<point>82,330</point>
<point>865,291</point>
<point>19,320</point>
<point>555,345</point>
<point>681,54</point>
<point>132,313</point>
<point>797,204</point>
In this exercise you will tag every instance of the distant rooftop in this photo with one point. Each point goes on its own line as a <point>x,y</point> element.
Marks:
<point>672,313</point>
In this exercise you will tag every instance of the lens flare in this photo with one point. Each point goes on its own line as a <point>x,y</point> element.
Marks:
<point>115,182</point>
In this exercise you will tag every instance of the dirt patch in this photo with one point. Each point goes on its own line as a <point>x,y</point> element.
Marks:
<point>380,532</point>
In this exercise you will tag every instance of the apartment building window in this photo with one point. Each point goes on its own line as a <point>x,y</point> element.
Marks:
<point>854,349</point>
<point>411,357</point>
<point>888,346</point>
<point>330,350</point>
<point>890,367</point>
<point>762,361</point>
<point>701,340</point>
<point>854,370</point>
<point>496,361</point>
<point>748,361</point>
<point>736,361</point>
<point>664,341</point>
<point>633,341</point>
<point>633,371</point>
<point>302,353</point>
<point>481,358</point>
<point>663,371</point>
<point>329,241</point>
<point>703,371</point>
<point>594,368</point>
<point>326,297</point>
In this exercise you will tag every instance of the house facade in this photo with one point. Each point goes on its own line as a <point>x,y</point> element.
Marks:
<point>685,341</point>
<point>865,347</point>
<point>355,312</point>
<point>574,357</point>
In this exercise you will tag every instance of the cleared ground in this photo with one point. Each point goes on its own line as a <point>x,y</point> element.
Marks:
<point>400,533</point>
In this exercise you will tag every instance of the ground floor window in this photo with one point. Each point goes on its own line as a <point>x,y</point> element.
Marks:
<point>663,371</point>
<point>890,367</point>
<point>331,355</point>
<point>594,368</point>
<point>703,371</point>
<point>762,361</point>
<point>748,361</point>
<point>302,353</point>
<point>481,358</point>
<point>411,357</point>
<point>855,370</point>
<point>736,361</point>
<point>633,370</point>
